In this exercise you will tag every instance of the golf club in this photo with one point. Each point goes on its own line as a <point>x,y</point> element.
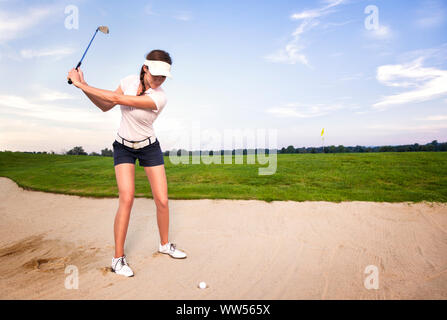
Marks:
<point>103,29</point>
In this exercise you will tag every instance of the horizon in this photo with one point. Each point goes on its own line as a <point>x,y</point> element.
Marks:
<point>370,74</point>
<point>277,149</point>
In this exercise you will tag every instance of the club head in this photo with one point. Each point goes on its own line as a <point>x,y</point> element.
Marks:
<point>104,29</point>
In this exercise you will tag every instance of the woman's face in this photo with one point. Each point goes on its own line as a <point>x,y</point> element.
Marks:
<point>154,81</point>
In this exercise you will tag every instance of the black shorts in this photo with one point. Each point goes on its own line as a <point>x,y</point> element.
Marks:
<point>148,156</point>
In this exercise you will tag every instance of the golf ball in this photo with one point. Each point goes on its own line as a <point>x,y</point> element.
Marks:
<point>202,285</point>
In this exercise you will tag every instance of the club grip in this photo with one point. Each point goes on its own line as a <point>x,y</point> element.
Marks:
<point>77,67</point>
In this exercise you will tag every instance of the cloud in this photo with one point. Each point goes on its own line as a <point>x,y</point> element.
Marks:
<point>45,94</point>
<point>183,16</point>
<point>46,52</point>
<point>13,26</point>
<point>350,77</point>
<point>148,10</point>
<point>33,135</point>
<point>292,53</point>
<point>36,124</point>
<point>315,13</point>
<point>336,54</point>
<point>426,83</point>
<point>434,118</point>
<point>304,111</point>
<point>383,32</point>
<point>430,14</point>
<point>409,128</point>
<point>431,21</point>
<point>436,56</point>
<point>17,106</point>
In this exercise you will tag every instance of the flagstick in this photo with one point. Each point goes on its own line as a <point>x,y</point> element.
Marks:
<point>323,143</point>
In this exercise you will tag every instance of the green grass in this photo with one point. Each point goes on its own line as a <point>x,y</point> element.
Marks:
<point>389,177</point>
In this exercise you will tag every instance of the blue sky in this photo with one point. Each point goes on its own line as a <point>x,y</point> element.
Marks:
<point>291,66</point>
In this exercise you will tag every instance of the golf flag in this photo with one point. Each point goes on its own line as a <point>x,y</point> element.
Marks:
<point>322,138</point>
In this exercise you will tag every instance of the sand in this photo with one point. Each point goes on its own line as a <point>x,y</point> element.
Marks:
<point>241,249</point>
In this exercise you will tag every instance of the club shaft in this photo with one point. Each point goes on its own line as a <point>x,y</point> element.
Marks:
<point>79,64</point>
<point>88,46</point>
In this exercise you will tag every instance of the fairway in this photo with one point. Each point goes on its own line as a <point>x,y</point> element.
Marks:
<point>382,177</point>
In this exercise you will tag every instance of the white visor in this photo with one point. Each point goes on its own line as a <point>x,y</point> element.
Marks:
<point>158,68</point>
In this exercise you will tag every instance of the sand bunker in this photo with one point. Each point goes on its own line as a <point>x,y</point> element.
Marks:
<point>241,249</point>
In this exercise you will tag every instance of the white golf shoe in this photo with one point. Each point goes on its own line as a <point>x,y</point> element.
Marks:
<point>120,266</point>
<point>170,248</point>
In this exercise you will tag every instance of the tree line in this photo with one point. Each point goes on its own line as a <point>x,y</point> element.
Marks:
<point>432,146</point>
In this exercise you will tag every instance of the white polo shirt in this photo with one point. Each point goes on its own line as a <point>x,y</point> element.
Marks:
<point>136,123</point>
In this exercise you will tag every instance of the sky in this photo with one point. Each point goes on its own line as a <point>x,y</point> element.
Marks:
<point>369,72</point>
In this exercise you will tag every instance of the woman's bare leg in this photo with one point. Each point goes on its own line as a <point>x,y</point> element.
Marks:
<point>125,178</point>
<point>159,186</point>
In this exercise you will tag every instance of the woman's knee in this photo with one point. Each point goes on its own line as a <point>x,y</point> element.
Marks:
<point>161,202</point>
<point>126,198</point>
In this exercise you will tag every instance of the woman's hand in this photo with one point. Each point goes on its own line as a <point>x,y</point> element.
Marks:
<point>81,76</point>
<point>75,77</point>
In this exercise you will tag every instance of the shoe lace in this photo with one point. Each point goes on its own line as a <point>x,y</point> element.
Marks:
<point>122,261</point>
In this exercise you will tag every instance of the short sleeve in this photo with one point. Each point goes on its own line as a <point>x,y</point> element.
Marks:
<point>126,82</point>
<point>159,98</point>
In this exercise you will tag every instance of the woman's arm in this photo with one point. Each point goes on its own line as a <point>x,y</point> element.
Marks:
<point>111,97</point>
<point>100,103</point>
<point>114,97</point>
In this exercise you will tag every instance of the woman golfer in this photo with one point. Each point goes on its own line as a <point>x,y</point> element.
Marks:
<point>141,99</point>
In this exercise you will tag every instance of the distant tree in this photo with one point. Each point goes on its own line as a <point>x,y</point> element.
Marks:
<point>107,153</point>
<point>290,149</point>
<point>77,151</point>
<point>416,147</point>
<point>435,145</point>
<point>386,149</point>
<point>185,152</point>
<point>340,149</point>
<point>432,146</point>
<point>331,149</point>
<point>94,154</point>
<point>403,148</point>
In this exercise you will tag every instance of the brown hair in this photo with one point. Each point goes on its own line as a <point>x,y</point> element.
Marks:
<point>158,55</point>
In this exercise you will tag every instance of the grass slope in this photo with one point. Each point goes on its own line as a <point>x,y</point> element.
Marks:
<point>389,177</point>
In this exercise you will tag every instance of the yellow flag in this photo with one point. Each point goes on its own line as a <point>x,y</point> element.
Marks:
<point>322,131</point>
